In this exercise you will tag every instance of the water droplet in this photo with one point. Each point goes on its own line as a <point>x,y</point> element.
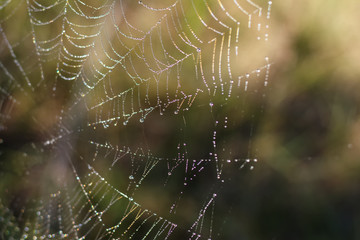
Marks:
<point>131,177</point>
<point>141,120</point>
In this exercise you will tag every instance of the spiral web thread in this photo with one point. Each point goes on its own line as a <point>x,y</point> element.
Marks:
<point>130,64</point>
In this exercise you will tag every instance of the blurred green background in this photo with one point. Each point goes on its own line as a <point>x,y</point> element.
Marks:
<point>306,184</point>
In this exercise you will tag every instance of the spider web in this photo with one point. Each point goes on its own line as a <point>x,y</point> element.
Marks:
<point>153,108</point>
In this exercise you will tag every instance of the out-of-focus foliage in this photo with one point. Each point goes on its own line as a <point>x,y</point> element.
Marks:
<point>306,184</point>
